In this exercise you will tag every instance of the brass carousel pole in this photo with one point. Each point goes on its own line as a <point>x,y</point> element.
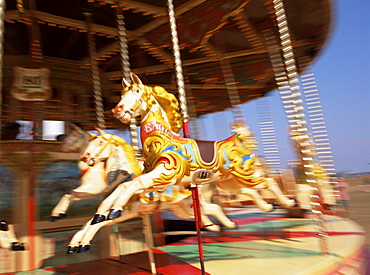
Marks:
<point>185,116</point>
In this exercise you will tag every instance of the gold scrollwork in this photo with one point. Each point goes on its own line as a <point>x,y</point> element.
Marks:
<point>243,170</point>
<point>177,158</point>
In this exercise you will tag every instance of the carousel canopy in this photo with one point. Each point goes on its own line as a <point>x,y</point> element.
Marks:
<point>53,35</point>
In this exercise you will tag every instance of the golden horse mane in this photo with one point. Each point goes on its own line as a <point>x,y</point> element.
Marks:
<point>169,104</point>
<point>130,153</point>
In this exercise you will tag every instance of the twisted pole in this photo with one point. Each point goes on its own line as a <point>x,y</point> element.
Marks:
<point>95,73</point>
<point>178,68</point>
<point>125,69</point>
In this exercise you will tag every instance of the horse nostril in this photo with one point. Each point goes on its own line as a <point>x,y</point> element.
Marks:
<point>85,156</point>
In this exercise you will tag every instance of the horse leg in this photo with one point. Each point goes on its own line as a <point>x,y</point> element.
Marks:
<point>80,242</point>
<point>106,204</point>
<point>216,211</point>
<point>125,191</point>
<point>8,240</point>
<point>59,211</point>
<point>4,240</point>
<point>282,199</point>
<point>235,187</point>
<point>261,203</point>
<point>75,241</point>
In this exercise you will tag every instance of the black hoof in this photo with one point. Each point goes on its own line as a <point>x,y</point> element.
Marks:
<point>114,214</point>
<point>72,249</point>
<point>62,215</point>
<point>55,218</point>
<point>97,219</point>
<point>4,225</point>
<point>83,248</point>
<point>18,246</point>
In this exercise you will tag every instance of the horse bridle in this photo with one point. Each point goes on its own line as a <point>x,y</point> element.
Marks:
<point>138,103</point>
<point>97,154</point>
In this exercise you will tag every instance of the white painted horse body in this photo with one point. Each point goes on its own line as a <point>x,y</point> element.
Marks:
<point>101,178</point>
<point>179,203</point>
<point>173,160</point>
<point>8,240</point>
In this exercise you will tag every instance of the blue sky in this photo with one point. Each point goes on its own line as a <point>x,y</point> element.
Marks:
<point>342,72</point>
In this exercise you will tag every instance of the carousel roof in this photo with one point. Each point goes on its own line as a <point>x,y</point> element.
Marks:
<point>52,34</point>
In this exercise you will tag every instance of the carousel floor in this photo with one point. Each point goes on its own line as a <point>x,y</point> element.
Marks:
<point>263,243</point>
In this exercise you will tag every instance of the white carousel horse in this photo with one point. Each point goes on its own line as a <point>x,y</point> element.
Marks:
<point>101,177</point>
<point>173,160</point>
<point>8,240</point>
<point>309,173</point>
<point>179,202</point>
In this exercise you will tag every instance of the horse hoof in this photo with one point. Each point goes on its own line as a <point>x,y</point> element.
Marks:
<point>97,219</point>
<point>4,225</point>
<point>114,214</point>
<point>83,248</point>
<point>18,246</point>
<point>72,249</point>
<point>62,215</point>
<point>55,218</point>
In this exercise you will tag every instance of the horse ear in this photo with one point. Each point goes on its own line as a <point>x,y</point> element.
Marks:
<point>135,79</point>
<point>125,83</point>
<point>101,132</point>
<point>91,134</point>
<point>75,127</point>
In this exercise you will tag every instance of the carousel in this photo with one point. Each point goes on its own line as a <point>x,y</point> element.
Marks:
<point>129,186</point>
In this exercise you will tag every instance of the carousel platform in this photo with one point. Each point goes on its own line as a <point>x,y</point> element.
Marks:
<point>263,243</point>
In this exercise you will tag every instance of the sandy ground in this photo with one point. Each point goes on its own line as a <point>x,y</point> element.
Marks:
<point>359,209</point>
<point>359,212</point>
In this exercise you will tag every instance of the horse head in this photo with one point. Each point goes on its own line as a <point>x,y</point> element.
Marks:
<point>75,140</point>
<point>132,101</point>
<point>98,148</point>
<point>139,100</point>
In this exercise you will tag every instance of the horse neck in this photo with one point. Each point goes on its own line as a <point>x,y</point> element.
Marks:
<point>118,159</point>
<point>84,143</point>
<point>93,173</point>
<point>155,119</point>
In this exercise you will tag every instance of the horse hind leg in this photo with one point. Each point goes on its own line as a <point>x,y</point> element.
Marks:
<point>256,197</point>
<point>216,211</point>
<point>126,190</point>
<point>107,203</point>
<point>282,199</point>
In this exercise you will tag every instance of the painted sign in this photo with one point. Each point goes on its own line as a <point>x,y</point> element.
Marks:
<point>31,84</point>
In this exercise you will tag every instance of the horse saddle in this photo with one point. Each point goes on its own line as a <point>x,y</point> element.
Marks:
<point>206,150</point>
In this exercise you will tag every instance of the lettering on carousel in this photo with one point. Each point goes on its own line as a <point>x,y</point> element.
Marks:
<point>155,126</point>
